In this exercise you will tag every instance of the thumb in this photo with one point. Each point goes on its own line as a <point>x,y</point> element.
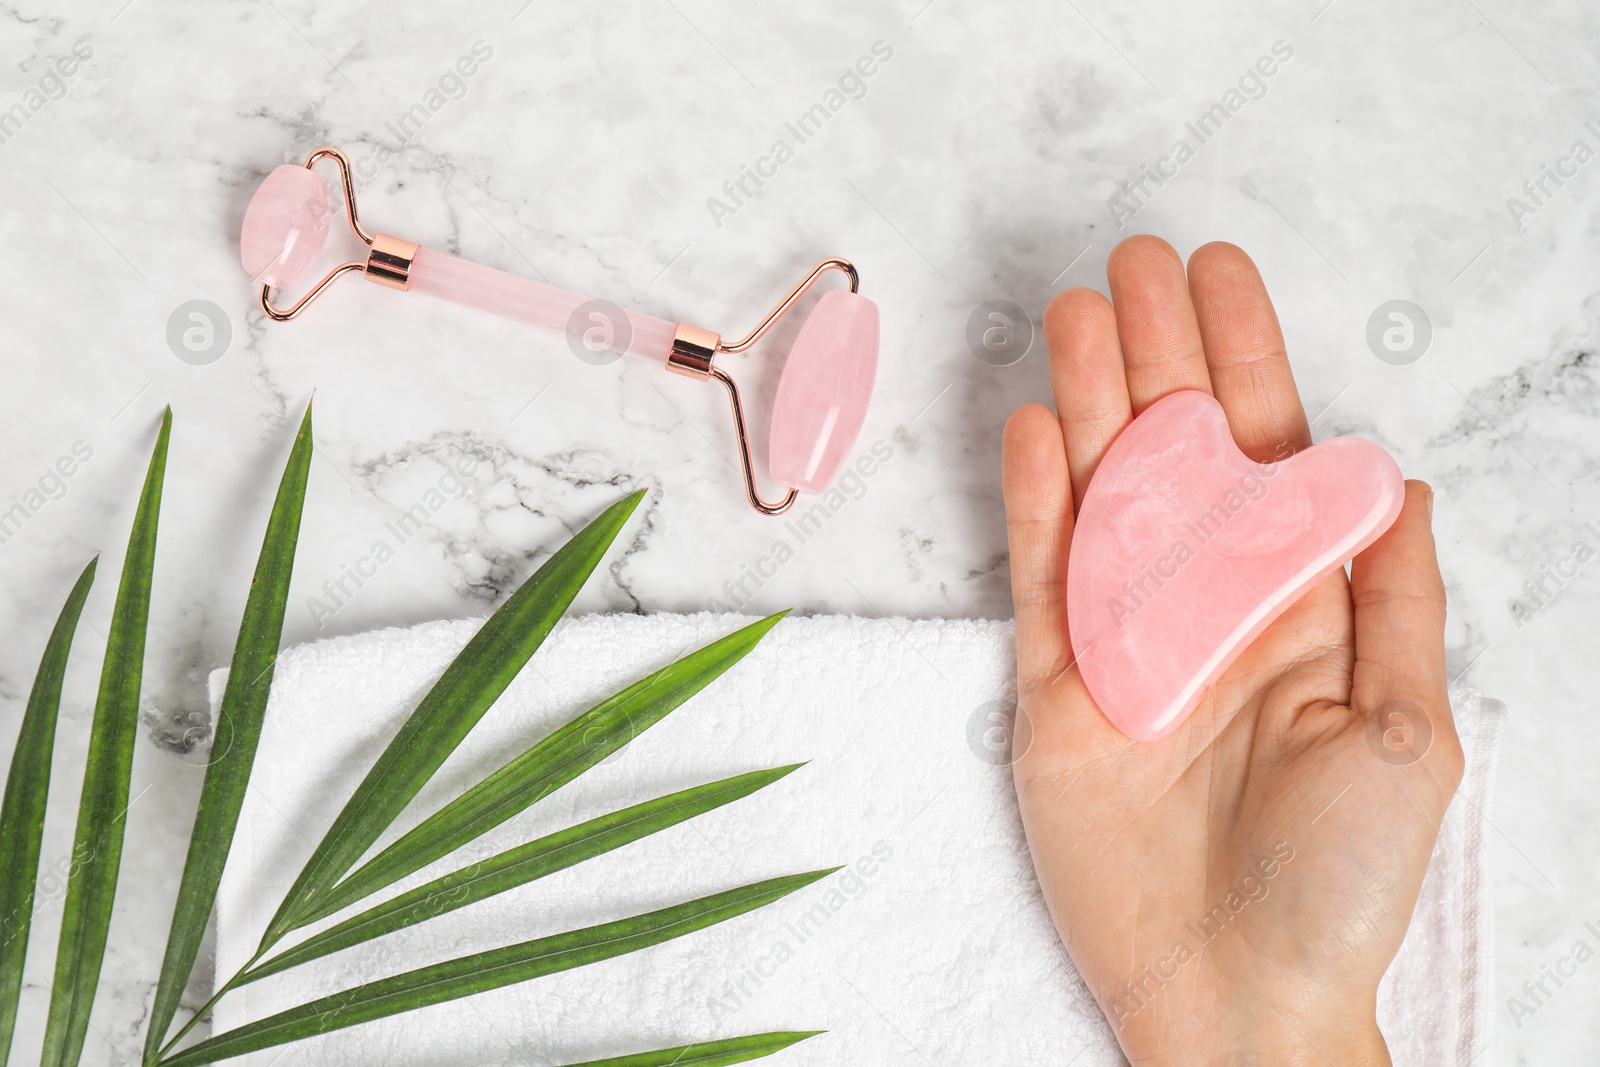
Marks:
<point>1399,683</point>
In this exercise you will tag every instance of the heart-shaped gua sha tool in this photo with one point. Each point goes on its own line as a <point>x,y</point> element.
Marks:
<point>1185,549</point>
<point>823,393</point>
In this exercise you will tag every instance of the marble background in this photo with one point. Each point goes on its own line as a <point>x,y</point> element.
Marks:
<point>979,163</point>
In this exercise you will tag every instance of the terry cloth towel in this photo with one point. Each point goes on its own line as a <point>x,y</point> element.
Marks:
<point>932,946</point>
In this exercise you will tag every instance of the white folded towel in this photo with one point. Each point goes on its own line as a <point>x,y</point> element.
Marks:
<point>934,946</point>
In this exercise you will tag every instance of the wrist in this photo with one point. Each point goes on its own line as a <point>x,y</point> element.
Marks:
<point>1348,1038</point>
<point>1355,1047</point>
<point>1249,1032</point>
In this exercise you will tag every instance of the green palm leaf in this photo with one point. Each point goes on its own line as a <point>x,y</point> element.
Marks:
<point>471,683</point>
<point>520,865</point>
<point>493,969</point>
<point>22,815</point>
<point>103,808</point>
<point>709,1053</point>
<point>234,740</point>
<point>551,763</point>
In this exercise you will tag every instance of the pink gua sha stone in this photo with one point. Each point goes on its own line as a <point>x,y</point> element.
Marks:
<point>1185,550</point>
<point>824,392</point>
<point>285,226</point>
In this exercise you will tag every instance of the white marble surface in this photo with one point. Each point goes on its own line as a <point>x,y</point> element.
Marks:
<point>978,165</point>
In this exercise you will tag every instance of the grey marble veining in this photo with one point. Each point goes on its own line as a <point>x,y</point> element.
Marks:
<point>995,153</point>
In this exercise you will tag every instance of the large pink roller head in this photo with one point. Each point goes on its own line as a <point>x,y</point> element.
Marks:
<point>825,390</point>
<point>285,226</point>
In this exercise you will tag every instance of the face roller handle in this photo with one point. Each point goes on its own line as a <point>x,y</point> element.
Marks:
<point>286,227</point>
<point>822,396</point>
<point>512,296</point>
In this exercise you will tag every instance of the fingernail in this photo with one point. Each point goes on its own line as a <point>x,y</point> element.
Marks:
<point>1430,505</point>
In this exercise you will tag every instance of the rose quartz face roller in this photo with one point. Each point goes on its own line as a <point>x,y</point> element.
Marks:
<point>1185,549</point>
<point>822,395</point>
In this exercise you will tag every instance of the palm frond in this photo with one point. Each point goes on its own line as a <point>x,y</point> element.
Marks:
<point>471,683</point>
<point>546,766</point>
<point>22,814</point>
<point>518,866</point>
<point>103,807</point>
<point>709,1053</point>
<point>493,969</point>
<point>234,739</point>
<point>334,878</point>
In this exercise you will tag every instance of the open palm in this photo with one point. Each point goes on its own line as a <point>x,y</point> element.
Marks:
<point>1233,892</point>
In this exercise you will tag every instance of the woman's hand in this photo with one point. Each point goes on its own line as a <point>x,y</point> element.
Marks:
<point>1233,892</point>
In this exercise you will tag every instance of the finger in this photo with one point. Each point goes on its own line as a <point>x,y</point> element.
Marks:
<point>1039,528</point>
<point>1399,602</point>
<point>1244,350</point>
<point>1086,375</point>
<point>1161,346</point>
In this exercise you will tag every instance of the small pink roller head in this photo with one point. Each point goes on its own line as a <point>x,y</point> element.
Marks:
<point>824,392</point>
<point>285,226</point>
